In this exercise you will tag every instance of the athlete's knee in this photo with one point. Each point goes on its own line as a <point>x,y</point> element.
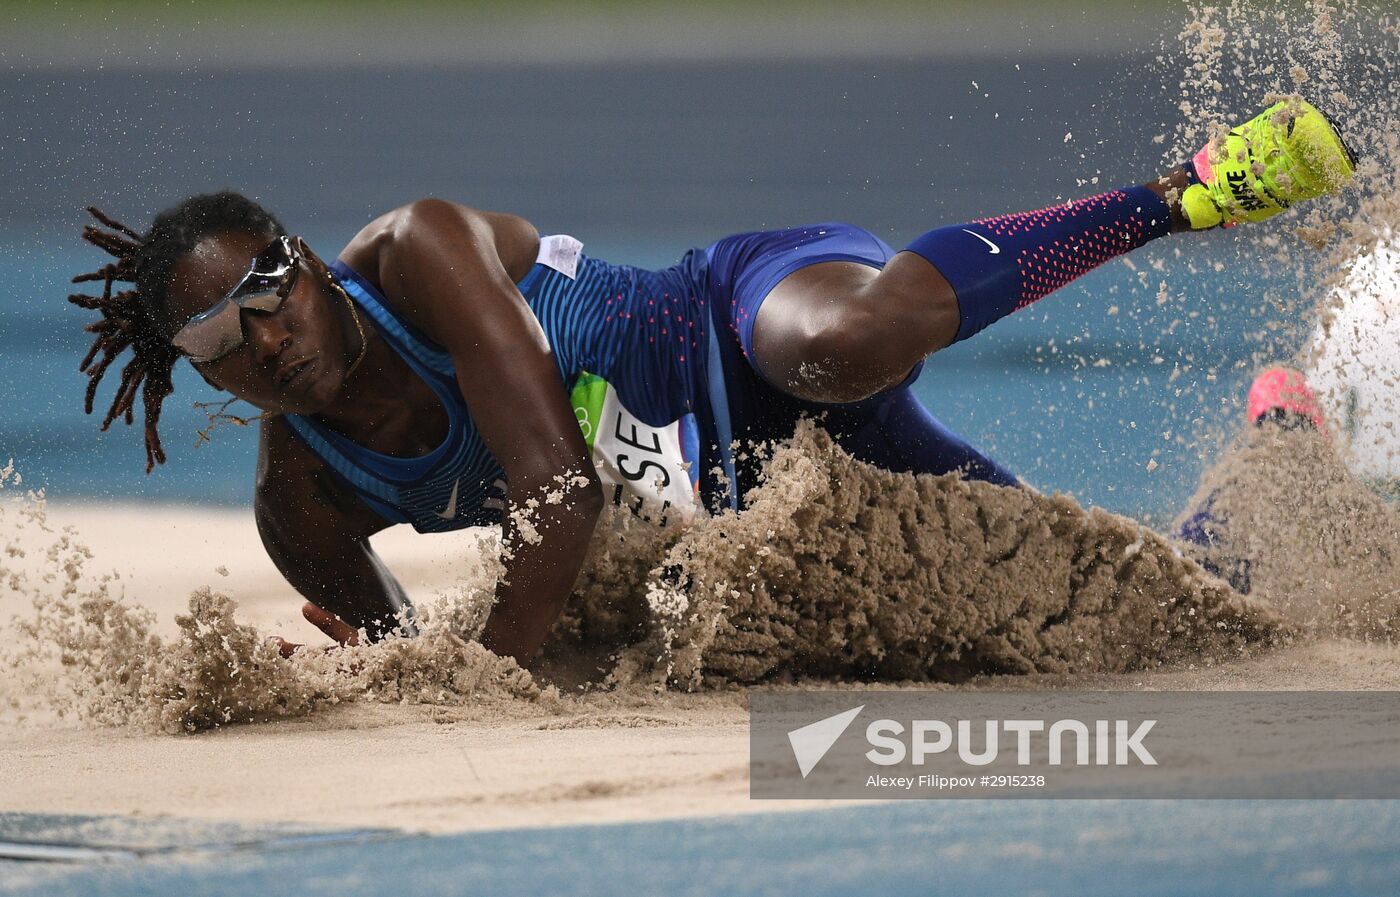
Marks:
<point>842,334</point>
<point>850,355</point>
<point>878,331</point>
<point>914,292</point>
<point>846,347</point>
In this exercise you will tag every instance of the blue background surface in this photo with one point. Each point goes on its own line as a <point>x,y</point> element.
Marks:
<point>1050,847</point>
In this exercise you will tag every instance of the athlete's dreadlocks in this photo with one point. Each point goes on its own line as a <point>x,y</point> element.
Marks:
<point>138,317</point>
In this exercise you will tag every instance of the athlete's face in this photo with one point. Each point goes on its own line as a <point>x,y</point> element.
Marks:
<point>294,359</point>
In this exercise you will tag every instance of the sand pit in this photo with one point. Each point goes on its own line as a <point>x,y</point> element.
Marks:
<point>438,734</point>
<point>458,768</point>
<point>836,570</point>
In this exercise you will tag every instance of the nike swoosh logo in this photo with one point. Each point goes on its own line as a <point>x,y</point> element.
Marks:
<point>496,503</point>
<point>451,510</point>
<point>995,248</point>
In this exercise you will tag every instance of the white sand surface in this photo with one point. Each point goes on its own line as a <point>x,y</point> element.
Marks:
<point>415,766</point>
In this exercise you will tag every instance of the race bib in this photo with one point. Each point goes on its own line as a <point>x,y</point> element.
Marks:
<point>652,470</point>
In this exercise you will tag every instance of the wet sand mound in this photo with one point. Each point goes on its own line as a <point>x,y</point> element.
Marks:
<point>840,569</point>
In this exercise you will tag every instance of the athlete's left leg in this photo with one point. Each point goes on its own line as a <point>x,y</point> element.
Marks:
<point>838,332</point>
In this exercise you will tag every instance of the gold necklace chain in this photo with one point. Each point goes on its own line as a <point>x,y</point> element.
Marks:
<point>354,316</point>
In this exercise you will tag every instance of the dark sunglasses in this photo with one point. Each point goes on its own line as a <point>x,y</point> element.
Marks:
<point>212,334</point>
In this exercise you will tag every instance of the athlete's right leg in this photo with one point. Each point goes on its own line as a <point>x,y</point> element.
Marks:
<point>838,332</point>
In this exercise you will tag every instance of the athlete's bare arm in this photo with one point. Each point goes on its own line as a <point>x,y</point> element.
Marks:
<point>452,270</point>
<point>317,533</point>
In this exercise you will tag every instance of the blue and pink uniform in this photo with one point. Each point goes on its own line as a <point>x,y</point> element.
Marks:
<point>661,366</point>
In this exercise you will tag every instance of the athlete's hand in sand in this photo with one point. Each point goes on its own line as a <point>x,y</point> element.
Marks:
<point>325,621</point>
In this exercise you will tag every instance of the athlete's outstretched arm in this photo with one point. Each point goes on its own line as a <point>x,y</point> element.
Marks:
<point>317,534</point>
<point>443,265</point>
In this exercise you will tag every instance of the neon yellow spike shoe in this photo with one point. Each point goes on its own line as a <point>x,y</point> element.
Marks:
<point>1287,153</point>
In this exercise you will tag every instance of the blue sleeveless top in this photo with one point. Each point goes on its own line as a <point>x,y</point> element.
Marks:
<point>645,332</point>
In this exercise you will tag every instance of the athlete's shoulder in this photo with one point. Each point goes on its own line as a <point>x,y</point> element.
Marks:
<point>424,223</point>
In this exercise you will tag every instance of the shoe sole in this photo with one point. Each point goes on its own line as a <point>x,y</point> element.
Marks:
<point>1341,138</point>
